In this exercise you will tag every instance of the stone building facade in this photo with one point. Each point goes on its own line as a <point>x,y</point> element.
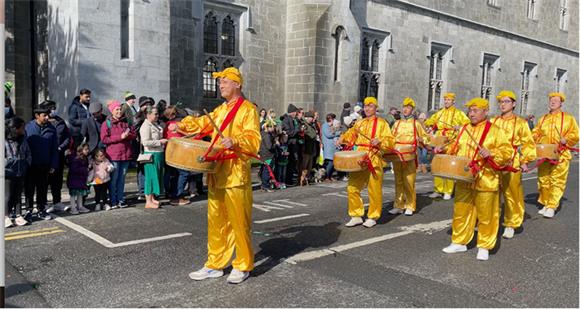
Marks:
<point>316,54</point>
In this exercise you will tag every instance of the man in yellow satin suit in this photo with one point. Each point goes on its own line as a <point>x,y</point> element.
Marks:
<point>229,208</point>
<point>478,201</point>
<point>408,132</point>
<point>556,127</point>
<point>520,136</point>
<point>378,131</point>
<point>443,123</point>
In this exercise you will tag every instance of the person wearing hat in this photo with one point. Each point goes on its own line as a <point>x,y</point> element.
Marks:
<point>443,123</point>
<point>372,135</point>
<point>292,129</point>
<point>128,108</point>
<point>63,137</point>
<point>556,127</point>
<point>520,136</point>
<point>407,131</point>
<point>229,209</point>
<point>478,201</point>
<point>309,147</point>
<point>91,129</point>
<point>42,140</point>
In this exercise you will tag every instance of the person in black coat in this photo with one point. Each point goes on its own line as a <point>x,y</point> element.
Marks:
<point>91,129</point>
<point>289,125</point>
<point>78,111</point>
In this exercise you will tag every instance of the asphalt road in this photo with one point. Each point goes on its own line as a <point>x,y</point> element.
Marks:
<point>305,256</point>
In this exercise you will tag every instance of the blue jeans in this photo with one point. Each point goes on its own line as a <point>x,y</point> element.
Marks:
<point>117,183</point>
<point>177,180</point>
<point>265,176</point>
<point>281,173</point>
<point>329,168</point>
<point>423,155</point>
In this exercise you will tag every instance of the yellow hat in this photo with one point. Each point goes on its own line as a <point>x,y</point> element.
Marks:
<point>449,95</point>
<point>408,101</point>
<point>478,102</point>
<point>557,94</point>
<point>506,93</point>
<point>230,73</point>
<point>370,100</point>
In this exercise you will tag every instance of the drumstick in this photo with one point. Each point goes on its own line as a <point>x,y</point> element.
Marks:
<point>363,135</point>
<point>474,140</point>
<point>213,124</point>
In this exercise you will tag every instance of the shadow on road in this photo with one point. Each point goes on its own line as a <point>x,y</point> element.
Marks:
<point>276,250</point>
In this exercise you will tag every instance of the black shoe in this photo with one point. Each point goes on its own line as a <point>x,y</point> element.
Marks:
<point>28,216</point>
<point>123,205</point>
<point>43,215</point>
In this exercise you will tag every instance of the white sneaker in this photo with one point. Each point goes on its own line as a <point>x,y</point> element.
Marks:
<point>98,207</point>
<point>82,209</point>
<point>369,223</point>
<point>455,248</point>
<point>435,195</point>
<point>408,212</point>
<point>74,211</point>
<point>508,233</point>
<point>205,273</point>
<point>237,276</point>
<point>20,221</point>
<point>482,254</point>
<point>396,211</point>
<point>345,178</point>
<point>57,207</point>
<point>446,196</point>
<point>107,207</point>
<point>7,222</point>
<point>354,221</point>
<point>549,213</point>
<point>542,211</point>
<point>51,209</point>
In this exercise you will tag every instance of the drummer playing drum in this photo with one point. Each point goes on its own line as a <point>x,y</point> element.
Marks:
<point>556,127</point>
<point>378,131</point>
<point>229,205</point>
<point>487,146</point>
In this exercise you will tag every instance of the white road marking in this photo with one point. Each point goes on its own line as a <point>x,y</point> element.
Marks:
<point>290,202</point>
<point>427,228</point>
<point>278,204</point>
<point>339,194</point>
<point>265,208</point>
<point>281,218</point>
<point>108,244</point>
<point>529,178</point>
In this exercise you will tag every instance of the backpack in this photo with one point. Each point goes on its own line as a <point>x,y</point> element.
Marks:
<point>16,166</point>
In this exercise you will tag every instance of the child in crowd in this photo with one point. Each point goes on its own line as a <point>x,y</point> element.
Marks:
<point>267,151</point>
<point>281,157</point>
<point>17,160</point>
<point>78,173</point>
<point>99,176</point>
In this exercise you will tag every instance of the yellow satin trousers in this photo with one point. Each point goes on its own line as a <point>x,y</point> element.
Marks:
<point>356,182</point>
<point>229,219</point>
<point>443,185</point>
<point>513,196</point>
<point>405,175</point>
<point>473,206</point>
<point>552,183</point>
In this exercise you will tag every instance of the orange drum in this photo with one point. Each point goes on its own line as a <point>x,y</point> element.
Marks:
<point>438,141</point>
<point>548,151</point>
<point>349,161</point>
<point>407,152</point>
<point>186,154</point>
<point>452,167</point>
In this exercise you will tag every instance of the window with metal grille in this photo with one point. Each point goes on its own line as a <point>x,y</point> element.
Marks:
<point>435,80</point>
<point>364,63</point>
<point>527,83</point>
<point>531,9</point>
<point>228,37</point>
<point>375,56</point>
<point>564,15</point>
<point>364,86</point>
<point>369,70</point>
<point>209,83</point>
<point>210,34</point>
<point>489,67</point>
<point>561,80</point>
<point>493,2</point>
<point>126,37</point>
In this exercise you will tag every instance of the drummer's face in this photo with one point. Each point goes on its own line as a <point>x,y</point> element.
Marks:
<point>228,88</point>
<point>555,103</point>
<point>506,104</point>
<point>370,110</point>
<point>477,115</point>
<point>407,110</point>
<point>448,102</point>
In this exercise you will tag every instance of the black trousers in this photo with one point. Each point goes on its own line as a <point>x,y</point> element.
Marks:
<point>101,194</point>
<point>55,181</point>
<point>37,182</point>
<point>13,191</point>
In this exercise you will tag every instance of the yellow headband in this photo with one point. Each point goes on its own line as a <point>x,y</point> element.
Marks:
<point>408,101</point>
<point>231,73</point>
<point>370,100</point>
<point>557,94</point>
<point>478,102</point>
<point>506,93</point>
<point>449,95</point>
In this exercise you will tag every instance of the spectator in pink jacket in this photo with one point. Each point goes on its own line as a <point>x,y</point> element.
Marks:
<point>117,136</point>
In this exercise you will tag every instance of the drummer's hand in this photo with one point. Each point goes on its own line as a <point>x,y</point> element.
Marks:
<point>438,149</point>
<point>227,143</point>
<point>172,127</point>
<point>563,141</point>
<point>375,141</point>
<point>338,143</point>
<point>457,128</point>
<point>484,153</point>
<point>525,167</point>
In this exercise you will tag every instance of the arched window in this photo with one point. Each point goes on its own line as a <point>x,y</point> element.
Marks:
<point>228,37</point>
<point>209,83</point>
<point>210,34</point>
<point>364,64</point>
<point>364,86</point>
<point>375,57</point>
<point>228,64</point>
<point>374,86</point>
<point>339,36</point>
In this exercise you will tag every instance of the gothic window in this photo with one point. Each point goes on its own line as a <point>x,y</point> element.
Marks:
<point>210,34</point>
<point>364,64</point>
<point>227,64</point>
<point>527,74</point>
<point>375,56</point>
<point>364,86</point>
<point>209,83</point>
<point>374,86</point>
<point>561,79</point>
<point>228,37</point>
<point>489,67</point>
